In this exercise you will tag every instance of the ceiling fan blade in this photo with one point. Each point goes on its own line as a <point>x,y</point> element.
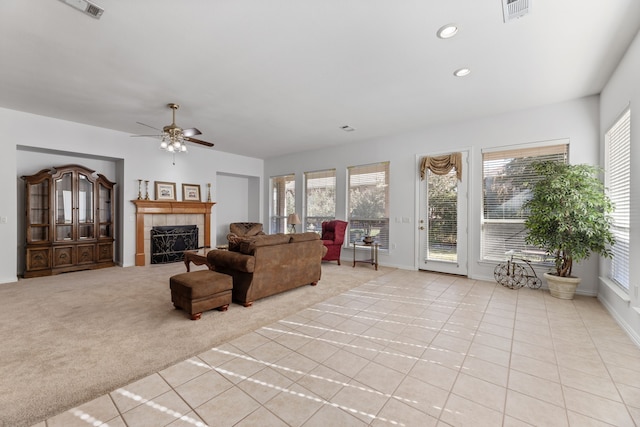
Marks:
<point>198,141</point>
<point>191,132</point>
<point>140,123</point>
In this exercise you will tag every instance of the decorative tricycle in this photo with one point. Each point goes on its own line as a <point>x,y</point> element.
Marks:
<point>515,275</point>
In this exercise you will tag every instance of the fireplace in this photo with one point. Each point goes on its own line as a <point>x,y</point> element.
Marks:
<point>153,213</point>
<point>168,243</point>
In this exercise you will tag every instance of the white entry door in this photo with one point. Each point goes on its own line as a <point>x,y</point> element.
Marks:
<point>442,226</point>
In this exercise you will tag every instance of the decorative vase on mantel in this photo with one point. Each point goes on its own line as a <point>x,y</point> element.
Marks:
<point>562,287</point>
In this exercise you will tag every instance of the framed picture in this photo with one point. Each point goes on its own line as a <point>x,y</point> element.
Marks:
<point>191,192</point>
<point>165,190</point>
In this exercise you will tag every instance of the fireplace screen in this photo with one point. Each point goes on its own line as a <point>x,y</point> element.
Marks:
<point>168,243</point>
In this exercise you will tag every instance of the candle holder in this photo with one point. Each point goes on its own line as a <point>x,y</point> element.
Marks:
<point>208,191</point>
<point>139,189</point>
<point>146,187</point>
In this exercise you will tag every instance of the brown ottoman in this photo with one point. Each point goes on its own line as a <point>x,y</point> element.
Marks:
<point>200,290</point>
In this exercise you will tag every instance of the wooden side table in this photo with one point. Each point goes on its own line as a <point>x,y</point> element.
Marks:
<point>198,257</point>
<point>374,246</point>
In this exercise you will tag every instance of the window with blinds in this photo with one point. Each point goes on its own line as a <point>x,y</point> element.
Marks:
<point>508,178</point>
<point>618,182</point>
<point>283,201</point>
<point>320,198</point>
<point>369,202</point>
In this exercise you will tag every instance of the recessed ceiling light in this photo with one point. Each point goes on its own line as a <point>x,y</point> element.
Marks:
<point>461,72</point>
<point>447,31</point>
<point>347,128</point>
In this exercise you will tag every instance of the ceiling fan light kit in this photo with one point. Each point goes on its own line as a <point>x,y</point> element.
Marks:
<point>173,135</point>
<point>173,147</point>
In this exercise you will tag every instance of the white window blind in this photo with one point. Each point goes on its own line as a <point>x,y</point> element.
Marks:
<point>283,201</point>
<point>369,202</point>
<point>320,198</point>
<point>507,182</point>
<point>618,182</point>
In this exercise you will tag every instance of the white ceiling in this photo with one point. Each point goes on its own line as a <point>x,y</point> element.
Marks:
<point>264,78</point>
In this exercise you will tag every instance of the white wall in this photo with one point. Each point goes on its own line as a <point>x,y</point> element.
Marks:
<point>135,158</point>
<point>622,90</point>
<point>577,120</point>
<point>8,208</point>
<point>237,199</point>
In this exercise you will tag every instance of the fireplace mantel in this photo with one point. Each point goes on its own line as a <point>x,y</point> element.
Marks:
<point>160,207</point>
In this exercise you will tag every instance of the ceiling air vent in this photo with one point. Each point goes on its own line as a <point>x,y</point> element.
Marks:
<point>86,7</point>
<point>514,9</point>
<point>94,11</point>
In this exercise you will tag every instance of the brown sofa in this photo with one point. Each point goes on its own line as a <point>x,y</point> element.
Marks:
<point>269,264</point>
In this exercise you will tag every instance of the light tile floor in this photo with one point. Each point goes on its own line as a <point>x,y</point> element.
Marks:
<point>407,349</point>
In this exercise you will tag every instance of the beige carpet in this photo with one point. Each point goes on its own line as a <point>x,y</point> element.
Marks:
<point>67,339</point>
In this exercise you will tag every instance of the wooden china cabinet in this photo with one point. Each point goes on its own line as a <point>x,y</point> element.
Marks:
<point>69,221</point>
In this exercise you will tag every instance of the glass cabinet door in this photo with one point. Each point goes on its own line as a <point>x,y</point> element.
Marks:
<point>38,205</point>
<point>104,211</point>
<point>64,207</point>
<point>85,208</point>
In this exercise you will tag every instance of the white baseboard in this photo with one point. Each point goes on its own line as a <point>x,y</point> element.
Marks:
<point>620,321</point>
<point>8,279</point>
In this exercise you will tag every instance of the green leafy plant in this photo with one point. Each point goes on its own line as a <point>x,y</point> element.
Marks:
<point>569,214</point>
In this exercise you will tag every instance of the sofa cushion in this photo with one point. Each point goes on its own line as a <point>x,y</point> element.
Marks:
<point>249,245</point>
<point>304,237</point>
<point>246,228</point>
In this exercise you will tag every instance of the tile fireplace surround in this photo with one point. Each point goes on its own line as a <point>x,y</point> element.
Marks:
<point>150,213</point>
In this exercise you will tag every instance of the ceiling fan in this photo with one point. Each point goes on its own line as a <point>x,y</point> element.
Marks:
<point>174,137</point>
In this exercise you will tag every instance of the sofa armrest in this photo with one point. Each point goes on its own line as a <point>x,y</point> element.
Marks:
<point>232,260</point>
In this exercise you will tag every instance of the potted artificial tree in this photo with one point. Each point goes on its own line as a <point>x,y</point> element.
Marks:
<point>569,217</point>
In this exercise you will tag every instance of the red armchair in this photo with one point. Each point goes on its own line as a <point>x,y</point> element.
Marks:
<point>333,238</point>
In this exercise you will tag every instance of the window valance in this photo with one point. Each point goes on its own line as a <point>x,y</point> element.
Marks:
<point>442,165</point>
